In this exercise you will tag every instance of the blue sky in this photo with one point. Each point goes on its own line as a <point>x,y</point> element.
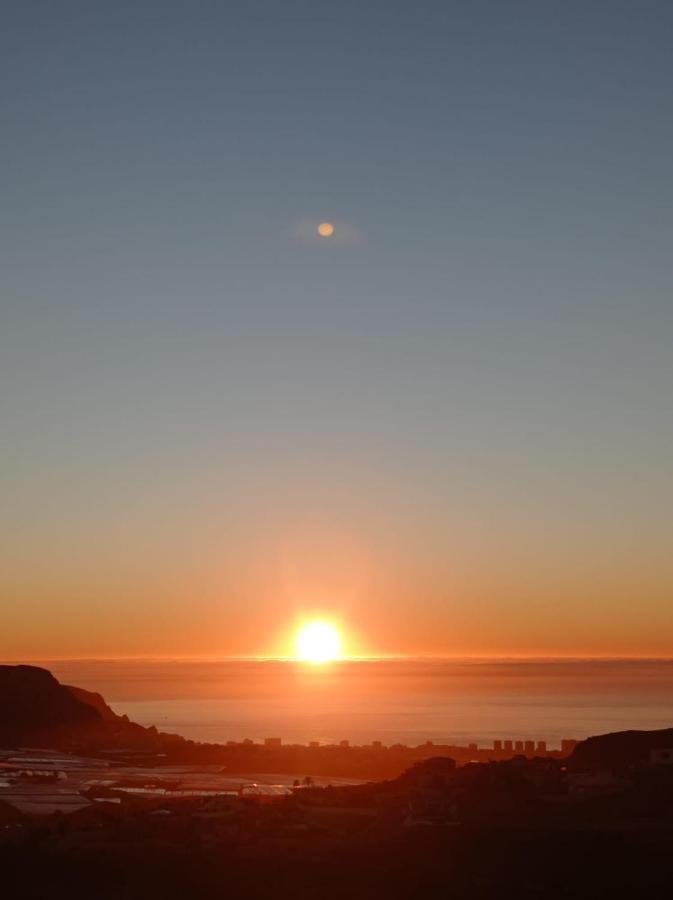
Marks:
<point>467,390</point>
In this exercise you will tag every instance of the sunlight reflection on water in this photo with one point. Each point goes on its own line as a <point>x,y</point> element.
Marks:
<point>405,701</point>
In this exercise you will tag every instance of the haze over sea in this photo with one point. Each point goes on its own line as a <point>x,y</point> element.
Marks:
<point>394,701</point>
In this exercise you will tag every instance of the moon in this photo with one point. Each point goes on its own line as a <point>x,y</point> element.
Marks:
<point>326,229</point>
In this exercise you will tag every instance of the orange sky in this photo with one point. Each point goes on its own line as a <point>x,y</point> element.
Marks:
<point>248,599</point>
<point>449,425</point>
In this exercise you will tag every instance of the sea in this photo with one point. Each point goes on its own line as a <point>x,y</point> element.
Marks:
<point>395,701</point>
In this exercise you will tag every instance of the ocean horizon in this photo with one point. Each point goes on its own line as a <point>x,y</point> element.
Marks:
<point>406,701</point>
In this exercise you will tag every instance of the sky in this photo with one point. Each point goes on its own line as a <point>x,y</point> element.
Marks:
<point>447,428</point>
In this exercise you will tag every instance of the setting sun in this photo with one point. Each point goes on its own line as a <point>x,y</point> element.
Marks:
<point>318,642</point>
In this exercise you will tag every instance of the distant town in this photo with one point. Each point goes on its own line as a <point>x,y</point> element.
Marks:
<point>373,760</point>
<point>500,749</point>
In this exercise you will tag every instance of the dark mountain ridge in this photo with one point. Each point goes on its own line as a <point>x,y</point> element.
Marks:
<point>91,698</point>
<point>37,710</point>
<point>620,749</point>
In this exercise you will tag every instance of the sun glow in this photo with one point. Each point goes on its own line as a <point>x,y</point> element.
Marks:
<point>318,642</point>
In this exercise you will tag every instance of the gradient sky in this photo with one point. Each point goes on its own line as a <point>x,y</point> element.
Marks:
<point>449,426</point>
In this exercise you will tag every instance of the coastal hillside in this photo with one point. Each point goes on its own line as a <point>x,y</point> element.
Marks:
<point>620,749</point>
<point>96,701</point>
<point>37,710</point>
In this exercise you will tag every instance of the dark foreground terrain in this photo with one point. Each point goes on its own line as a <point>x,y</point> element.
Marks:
<point>597,824</point>
<point>462,863</point>
<point>517,829</point>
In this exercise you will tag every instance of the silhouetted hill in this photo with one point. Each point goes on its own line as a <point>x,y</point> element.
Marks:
<point>37,710</point>
<point>33,703</point>
<point>619,749</point>
<point>90,698</point>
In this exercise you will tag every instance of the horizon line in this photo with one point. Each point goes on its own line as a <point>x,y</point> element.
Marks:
<point>346,659</point>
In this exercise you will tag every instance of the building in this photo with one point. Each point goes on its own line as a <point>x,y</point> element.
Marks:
<point>344,744</point>
<point>529,748</point>
<point>264,793</point>
<point>509,746</point>
<point>568,745</point>
<point>518,746</point>
<point>541,747</point>
<point>497,746</point>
